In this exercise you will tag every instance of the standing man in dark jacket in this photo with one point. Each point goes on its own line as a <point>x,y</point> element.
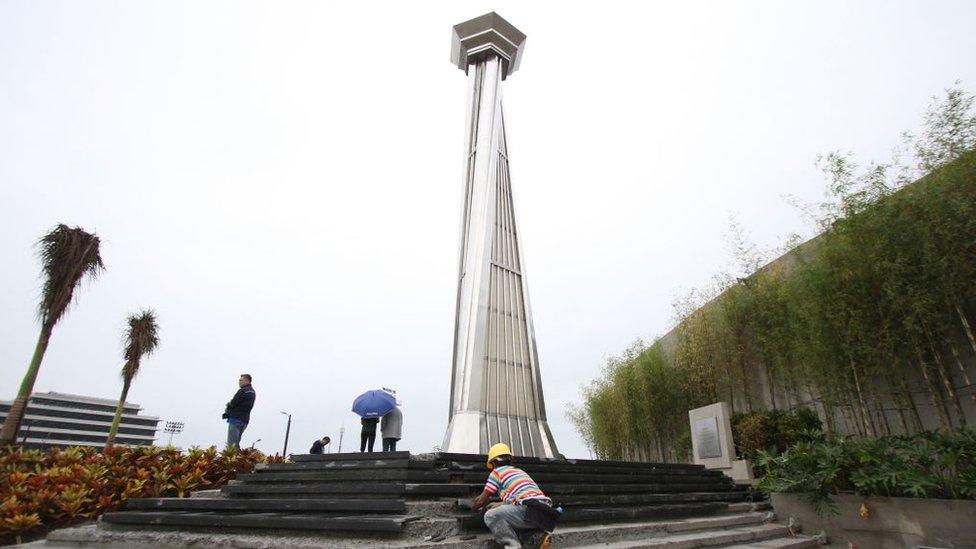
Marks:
<point>238,411</point>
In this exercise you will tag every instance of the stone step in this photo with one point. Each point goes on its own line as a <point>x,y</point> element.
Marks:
<point>564,467</point>
<point>316,465</point>
<point>580,489</point>
<point>378,475</point>
<point>383,489</point>
<point>779,543</point>
<point>565,536</point>
<point>756,533</point>
<point>652,477</point>
<point>603,515</point>
<point>612,499</point>
<point>747,506</point>
<point>278,521</point>
<point>663,510</point>
<point>475,462</point>
<point>555,491</point>
<point>354,456</point>
<point>256,504</point>
<point>414,475</point>
<point>480,458</point>
<point>600,535</point>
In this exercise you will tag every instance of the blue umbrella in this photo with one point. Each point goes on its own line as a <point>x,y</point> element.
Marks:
<point>374,404</point>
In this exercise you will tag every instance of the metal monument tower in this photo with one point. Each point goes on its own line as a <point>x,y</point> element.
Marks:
<point>496,387</point>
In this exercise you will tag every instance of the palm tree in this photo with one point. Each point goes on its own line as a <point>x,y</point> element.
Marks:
<point>67,255</point>
<point>141,339</point>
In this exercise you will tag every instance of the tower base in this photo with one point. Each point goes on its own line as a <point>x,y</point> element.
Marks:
<point>476,432</point>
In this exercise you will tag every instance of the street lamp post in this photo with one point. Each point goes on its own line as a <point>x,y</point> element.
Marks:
<point>287,431</point>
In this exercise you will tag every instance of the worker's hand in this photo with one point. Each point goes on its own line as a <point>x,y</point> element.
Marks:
<point>494,504</point>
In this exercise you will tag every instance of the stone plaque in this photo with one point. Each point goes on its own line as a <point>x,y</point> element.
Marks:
<point>706,435</point>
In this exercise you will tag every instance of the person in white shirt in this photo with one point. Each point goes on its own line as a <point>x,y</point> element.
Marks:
<point>390,428</point>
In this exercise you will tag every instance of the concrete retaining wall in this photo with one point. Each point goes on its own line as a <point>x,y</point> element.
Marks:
<point>893,523</point>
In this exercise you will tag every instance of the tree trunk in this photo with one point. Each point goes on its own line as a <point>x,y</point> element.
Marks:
<point>933,393</point>
<point>728,371</point>
<point>916,416</point>
<point>854,425</point>
<point>772,386</point>
<point>948,383</point>
<point>879,410</point>
<point>745,381</point>
<point>901,413</point>
<point>126,383</point>
<point>865,415</point>
<point>965,325</point>
<point>962,368</point>
<point>16,413</point>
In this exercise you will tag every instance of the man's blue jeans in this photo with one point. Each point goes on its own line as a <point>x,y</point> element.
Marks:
<point>235,428</point>
<point>504,520</point>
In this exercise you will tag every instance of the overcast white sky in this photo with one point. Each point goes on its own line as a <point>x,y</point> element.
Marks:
<point>281,181</point>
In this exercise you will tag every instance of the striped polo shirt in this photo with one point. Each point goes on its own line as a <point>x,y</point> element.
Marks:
<point>513,485</point>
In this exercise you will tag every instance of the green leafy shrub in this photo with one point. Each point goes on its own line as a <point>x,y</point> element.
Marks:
<point>933,464</point>
<point>683,447</point>
<point>41,491</point>
<point>772,430</point>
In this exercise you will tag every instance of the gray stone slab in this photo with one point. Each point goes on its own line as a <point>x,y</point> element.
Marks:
<point>390,523</point>
<point>256,504</point>
<point>567,536</point>
<point>410,475</point>
<point>357,456</point>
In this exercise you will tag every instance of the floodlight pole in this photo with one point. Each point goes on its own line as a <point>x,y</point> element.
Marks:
<point>173,428</point>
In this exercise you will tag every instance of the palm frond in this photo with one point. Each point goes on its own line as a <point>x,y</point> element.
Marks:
<point>67,254</point>
<point>141,338</point>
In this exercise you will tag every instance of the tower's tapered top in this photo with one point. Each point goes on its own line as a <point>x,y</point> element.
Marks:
<point>485,35</point>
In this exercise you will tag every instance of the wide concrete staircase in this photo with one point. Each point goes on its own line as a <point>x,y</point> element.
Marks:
<point>403,500</point>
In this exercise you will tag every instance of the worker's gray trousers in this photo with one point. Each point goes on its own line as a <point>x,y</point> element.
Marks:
<point>504,520</point>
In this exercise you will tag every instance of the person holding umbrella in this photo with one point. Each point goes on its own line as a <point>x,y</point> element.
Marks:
<point>368,436</point>
<point>371,406</point>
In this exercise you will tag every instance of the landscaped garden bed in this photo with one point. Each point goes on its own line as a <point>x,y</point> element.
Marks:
<point>893,491</point>
<point>41,491</point>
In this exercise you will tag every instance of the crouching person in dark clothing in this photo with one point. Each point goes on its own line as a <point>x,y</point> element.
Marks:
<point>319,445</point>
<point>523,507</point>
<point>238,411</point>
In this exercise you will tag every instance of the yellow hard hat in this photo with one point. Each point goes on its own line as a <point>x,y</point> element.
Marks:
<point>500,449</point>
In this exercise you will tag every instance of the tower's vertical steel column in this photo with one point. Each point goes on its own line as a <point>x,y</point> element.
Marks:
<point>496,387</point>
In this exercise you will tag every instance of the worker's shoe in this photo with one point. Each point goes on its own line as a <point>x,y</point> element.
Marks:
<point>538,540</point>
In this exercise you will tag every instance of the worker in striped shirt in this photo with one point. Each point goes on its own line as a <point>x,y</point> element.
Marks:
<point>523,506</point>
